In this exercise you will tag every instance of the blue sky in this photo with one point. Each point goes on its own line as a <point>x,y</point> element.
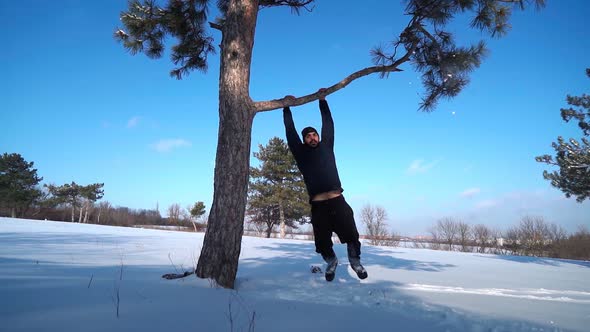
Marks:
<point>80,107</point>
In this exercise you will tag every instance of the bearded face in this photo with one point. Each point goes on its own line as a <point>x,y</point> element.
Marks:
<point>312,139</point>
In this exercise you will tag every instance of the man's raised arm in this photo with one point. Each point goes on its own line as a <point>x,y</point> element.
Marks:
<point>327,122</point>
<point>293,139</point>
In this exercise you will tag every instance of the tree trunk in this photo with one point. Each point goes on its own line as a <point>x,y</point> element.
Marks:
<point>282,218</point>
<point>87,207</point>
<point>223,238</point>
<point>81,209</point>
<point>13,212</point>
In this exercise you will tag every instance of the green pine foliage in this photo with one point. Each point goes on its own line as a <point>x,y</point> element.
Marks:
<point>432,50</point>
<point>572,156</point>
<point>429,46</point>
<point>148,25</point>
<point>197,210</point>
<point>18,184</point>
<point>76,196</point>
<point>277,188</point>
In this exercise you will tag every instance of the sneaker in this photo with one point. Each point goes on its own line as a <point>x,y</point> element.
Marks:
<point>356,266</point>
<point>331,269</point>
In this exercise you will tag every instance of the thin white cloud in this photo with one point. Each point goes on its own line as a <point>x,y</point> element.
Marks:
<point>419,166</point>
<point>485,204</point>
<point>133,122</point>
<point>167,145</point>
<point>468,193</point>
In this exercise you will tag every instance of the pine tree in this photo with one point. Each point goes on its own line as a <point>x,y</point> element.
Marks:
<point>197,210</point>
<point>68,193</point>
<point>424,43</point>
<point>91,193</point>
<point>277,194</point>
<point>73,194</point>
<point>18,184</point>
<point>572,157</point>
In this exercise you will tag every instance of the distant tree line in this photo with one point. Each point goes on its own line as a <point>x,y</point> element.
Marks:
<point>533,236</point>
<point>277,198</point>
<point>22,196</point>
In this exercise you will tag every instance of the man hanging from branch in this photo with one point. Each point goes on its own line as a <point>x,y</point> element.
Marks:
<point>425,43</point>
<point>329,210</point>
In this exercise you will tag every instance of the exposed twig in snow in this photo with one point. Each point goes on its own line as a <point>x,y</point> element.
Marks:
<point>117,296</point>
<point>232,316</point>
<point>121,271</point>
<point>171,262</point>
<point>90,282</point>
<point>252,322</point>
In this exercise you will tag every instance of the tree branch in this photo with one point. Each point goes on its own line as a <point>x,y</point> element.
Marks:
<point>216,26</point>
<point>294,4</point>
<point>269,105</point>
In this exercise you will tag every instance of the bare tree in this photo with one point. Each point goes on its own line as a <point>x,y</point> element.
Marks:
<point>482,236</point>
<point>557,237</point>
<point>435,241</point>
<point>512,240</point>
<point>577,246</point>
<point>533,236</point>
<point>448,231</point>
<point>375,221</point>
<point>464,235</point>
<point>175,214</point>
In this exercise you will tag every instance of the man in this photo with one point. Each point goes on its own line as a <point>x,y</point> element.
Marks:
<point>329,211</point>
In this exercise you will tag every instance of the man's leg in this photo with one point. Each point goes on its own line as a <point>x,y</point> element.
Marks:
<point>348,233</point>
<point>322,233</point>
<point>354,257</point>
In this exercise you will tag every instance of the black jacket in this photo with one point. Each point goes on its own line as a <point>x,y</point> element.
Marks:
<point>318,165</point>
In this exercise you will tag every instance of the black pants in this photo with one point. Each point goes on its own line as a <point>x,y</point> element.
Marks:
<point>334,215</point>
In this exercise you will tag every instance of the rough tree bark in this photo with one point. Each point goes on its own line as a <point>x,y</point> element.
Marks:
<point>223,238</point>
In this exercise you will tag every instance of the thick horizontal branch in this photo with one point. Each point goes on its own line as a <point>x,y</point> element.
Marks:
<point>263,106</point>
<point>216,26</point>
<point>269,105</point>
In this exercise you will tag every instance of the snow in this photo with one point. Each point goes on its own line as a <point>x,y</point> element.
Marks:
<point>58,276</point>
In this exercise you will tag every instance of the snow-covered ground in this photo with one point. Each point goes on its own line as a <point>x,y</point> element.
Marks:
<point>64,277</point>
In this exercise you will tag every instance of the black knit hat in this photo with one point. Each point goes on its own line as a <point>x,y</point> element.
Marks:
<point>308,130</point>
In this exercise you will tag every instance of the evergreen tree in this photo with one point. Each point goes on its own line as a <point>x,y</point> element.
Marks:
<point>18,184</point>
<point>68,194</point>
<point>197,210</point>
<point>90,193</point>
<point>277,194</point>
<point>73,194</point>
<point>424,43</point>
<point>572,157</point>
